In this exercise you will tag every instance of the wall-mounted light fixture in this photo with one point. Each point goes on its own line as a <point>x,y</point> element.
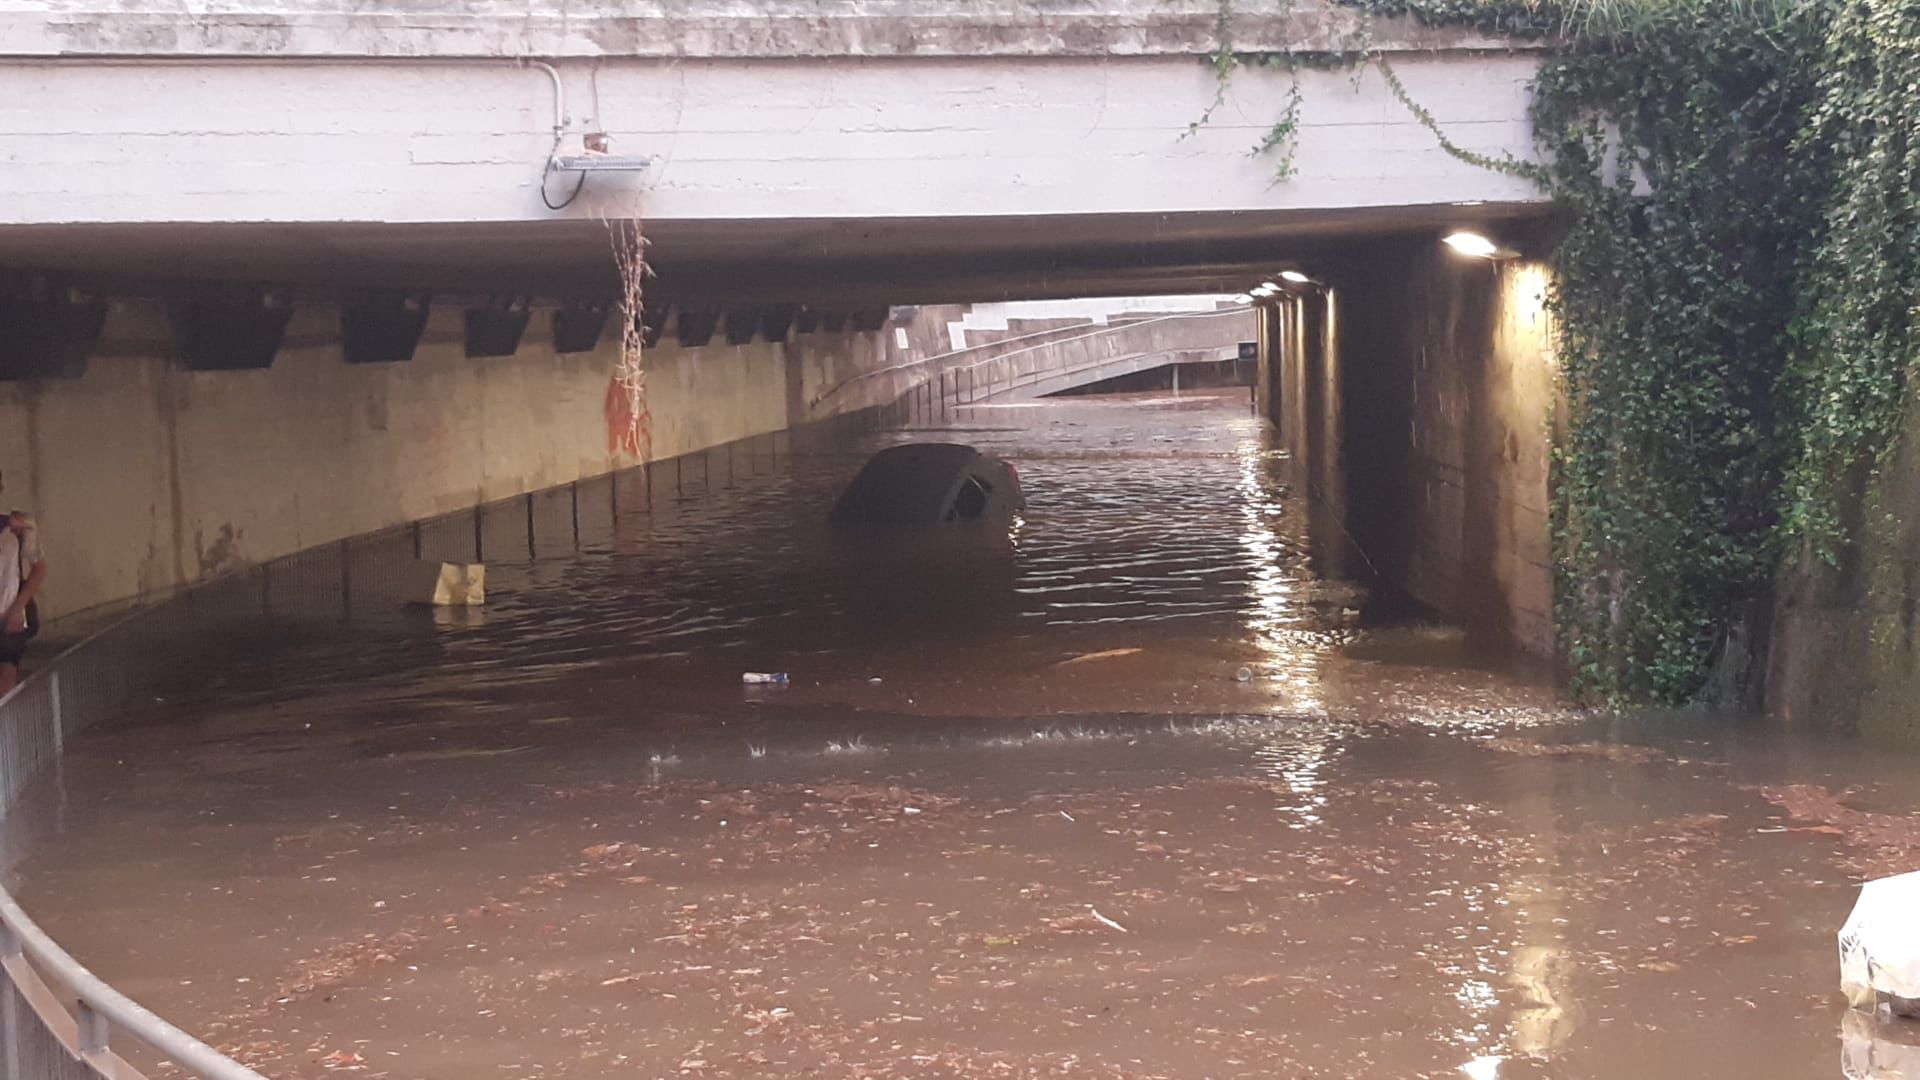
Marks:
<point>1477,246</point>
<point>1295,277</point>
<point>596,147</point>
<point>597,160</point>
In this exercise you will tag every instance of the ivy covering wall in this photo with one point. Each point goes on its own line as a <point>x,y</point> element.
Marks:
<point>1737,302</point>
<point>1675,148</point>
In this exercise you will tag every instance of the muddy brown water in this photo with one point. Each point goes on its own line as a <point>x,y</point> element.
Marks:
<point>1015,816</point>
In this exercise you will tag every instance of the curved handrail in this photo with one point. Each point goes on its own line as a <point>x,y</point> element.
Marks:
<point>1017,381</point>
<point>1111,328</point>
<point>101,1007</point>
<point>81,1022</point>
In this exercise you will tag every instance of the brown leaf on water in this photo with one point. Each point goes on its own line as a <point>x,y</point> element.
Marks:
<point>611,852</point>
<point>1884,844</point>
<point>1104,654</point>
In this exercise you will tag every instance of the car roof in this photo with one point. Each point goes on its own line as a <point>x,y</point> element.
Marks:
<point>907,484</point>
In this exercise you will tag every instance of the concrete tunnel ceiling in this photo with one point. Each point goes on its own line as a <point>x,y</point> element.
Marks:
<point>718,263</point>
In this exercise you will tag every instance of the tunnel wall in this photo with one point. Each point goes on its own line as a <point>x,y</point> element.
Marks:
<point>1843,651</point>
<point>1416,400</point>
<point>145,476</point>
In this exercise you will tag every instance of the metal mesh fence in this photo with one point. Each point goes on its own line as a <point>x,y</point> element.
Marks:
<point>594,512</point>
<point>454,538</point>
<point>31,1050</point>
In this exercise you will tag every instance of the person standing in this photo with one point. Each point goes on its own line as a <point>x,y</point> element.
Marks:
<point>22,571</point>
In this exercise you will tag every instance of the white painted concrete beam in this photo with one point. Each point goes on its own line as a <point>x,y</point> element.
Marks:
<point>467,142</point>
<point>700,29</point>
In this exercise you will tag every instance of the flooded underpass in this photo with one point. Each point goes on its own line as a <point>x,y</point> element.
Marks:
<point>1143,793</point>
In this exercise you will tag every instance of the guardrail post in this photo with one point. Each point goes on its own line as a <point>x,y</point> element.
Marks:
<point>346,581</point>
<point>11,1035</point>
<point>59,724</point>
<point>95,1028</point>
<point>10,946</point>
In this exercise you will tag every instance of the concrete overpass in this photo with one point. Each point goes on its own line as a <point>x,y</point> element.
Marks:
<point>858,152</point>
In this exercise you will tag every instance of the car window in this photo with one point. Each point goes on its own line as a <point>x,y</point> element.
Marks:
<point>970,502</point>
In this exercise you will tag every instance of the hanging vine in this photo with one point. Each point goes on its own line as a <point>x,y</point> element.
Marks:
<point>1225,62</point>
<point>1737,298</point>
<point>629,419</point>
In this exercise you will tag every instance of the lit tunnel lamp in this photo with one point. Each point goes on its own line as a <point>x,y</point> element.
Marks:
<point>1477,246</point>
<point>1295,277</point>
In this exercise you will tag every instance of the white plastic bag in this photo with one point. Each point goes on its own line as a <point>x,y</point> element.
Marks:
<point>1880,944</point>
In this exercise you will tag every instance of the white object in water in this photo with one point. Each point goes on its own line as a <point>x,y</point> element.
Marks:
<point>760,677</point>
<point>1880,945</point>
<point>444,584</point>
<point>1877,1048</point>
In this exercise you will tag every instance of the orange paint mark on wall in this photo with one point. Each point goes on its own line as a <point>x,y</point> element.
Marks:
<point>629,421</point>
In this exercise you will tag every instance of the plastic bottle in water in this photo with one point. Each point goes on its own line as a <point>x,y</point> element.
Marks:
<point>755,678</point>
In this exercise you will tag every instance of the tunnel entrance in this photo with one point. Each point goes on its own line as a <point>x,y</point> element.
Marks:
<point>1226,756</point>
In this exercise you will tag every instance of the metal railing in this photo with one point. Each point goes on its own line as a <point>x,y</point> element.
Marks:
<point>999,376</point>
<point>47,1040</point>
<point>937,367</point>
<point>58,1021</point>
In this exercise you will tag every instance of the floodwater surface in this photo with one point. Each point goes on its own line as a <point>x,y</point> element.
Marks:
<point>1144,790</point>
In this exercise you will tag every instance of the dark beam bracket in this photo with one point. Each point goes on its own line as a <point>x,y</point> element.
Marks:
<point>230,335</point>
<point>48,329</point>
<point>383,327</point>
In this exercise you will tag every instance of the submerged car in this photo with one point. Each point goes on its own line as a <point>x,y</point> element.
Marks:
<point>928,484</point>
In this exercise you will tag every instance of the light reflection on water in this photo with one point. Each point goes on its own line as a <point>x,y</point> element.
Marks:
<point>1278,621</point>
<point>1299,761</point>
